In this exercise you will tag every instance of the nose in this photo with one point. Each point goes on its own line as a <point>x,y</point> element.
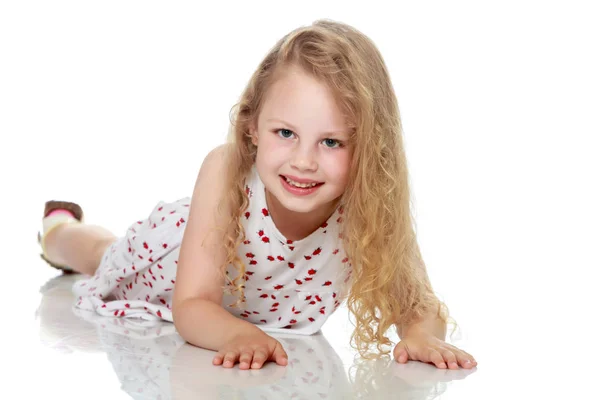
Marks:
<point>304,159</point>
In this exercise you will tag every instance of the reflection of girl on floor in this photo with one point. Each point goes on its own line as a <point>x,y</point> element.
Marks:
<point>152,361</point>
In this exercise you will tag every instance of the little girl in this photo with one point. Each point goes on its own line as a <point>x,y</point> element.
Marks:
<point>306,206</point>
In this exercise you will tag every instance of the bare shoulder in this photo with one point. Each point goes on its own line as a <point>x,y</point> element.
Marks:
<point>218,153</point>
<point>202,252</point>
<point>210,183</point>
<point>216,159</point>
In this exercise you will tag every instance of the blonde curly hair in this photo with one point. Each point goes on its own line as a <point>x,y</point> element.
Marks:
<point>389,284</point>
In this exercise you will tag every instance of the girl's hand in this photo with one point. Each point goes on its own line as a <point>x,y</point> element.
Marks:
<point>429,349</point>
<point>252,350</point>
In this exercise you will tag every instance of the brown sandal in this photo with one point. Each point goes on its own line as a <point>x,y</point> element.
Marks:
<point>60,205</point>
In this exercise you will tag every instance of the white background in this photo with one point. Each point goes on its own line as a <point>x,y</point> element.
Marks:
<point>114,105</point>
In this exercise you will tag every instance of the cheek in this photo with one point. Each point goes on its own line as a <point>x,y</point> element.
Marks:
<point>270,154</point>
<point>338,167</point>
<point>268,144</point>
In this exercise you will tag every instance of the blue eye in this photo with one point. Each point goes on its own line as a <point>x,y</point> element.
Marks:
<point>333,142</point>
<point>329,143</point>
<point>286,131</point>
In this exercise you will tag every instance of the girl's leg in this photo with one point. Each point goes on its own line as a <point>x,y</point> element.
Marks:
<point>78,246</point>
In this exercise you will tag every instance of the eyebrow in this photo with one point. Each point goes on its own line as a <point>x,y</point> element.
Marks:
<point>329,133</point>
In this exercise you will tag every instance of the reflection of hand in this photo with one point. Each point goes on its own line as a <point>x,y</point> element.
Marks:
<point>252,350</point>
<point>429,349</point>
<point>422,375</point>
<point>379,378</point>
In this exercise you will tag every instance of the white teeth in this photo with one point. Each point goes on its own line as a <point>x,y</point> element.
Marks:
<point>300,185</point>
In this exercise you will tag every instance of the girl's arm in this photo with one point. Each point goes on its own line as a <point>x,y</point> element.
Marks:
<point>424,340</point>
<point>197,312</point>
<point>430,323</point>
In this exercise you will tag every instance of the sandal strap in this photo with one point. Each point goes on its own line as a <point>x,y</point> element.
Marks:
<point>50,206</point>
<point>63,205</point>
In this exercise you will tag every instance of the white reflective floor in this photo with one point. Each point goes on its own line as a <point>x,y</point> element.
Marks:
<point>154,362</point>
<point>65,355</point>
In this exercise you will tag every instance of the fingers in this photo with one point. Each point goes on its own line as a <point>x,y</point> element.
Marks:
<point>442,355</point>
<point>450,359</point>
<point>279,355</point>
<point>466,360</point>
<point>260,356</point>
<point>436,359</point>
<point>401,353</point>
<point>218,359</point>
<point>228,358</point>
<point>402,356</point>
<point>463,358</point>
<point>248,358</point>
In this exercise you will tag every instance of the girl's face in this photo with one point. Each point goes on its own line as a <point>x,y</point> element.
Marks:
<point>301,135</point>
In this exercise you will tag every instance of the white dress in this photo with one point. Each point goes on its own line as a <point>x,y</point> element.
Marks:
<point>291,286</point>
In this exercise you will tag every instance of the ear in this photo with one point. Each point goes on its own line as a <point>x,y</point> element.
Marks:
<point>253,134</point>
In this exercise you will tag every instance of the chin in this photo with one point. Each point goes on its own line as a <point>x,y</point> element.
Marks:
<point>303,205</point>
<point>299,206</point>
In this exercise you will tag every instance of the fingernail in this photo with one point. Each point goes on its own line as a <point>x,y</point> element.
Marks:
<point>255,365</point>
<point>468,362</point>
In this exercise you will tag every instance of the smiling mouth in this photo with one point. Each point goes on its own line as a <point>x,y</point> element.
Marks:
<point>301,185</point>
